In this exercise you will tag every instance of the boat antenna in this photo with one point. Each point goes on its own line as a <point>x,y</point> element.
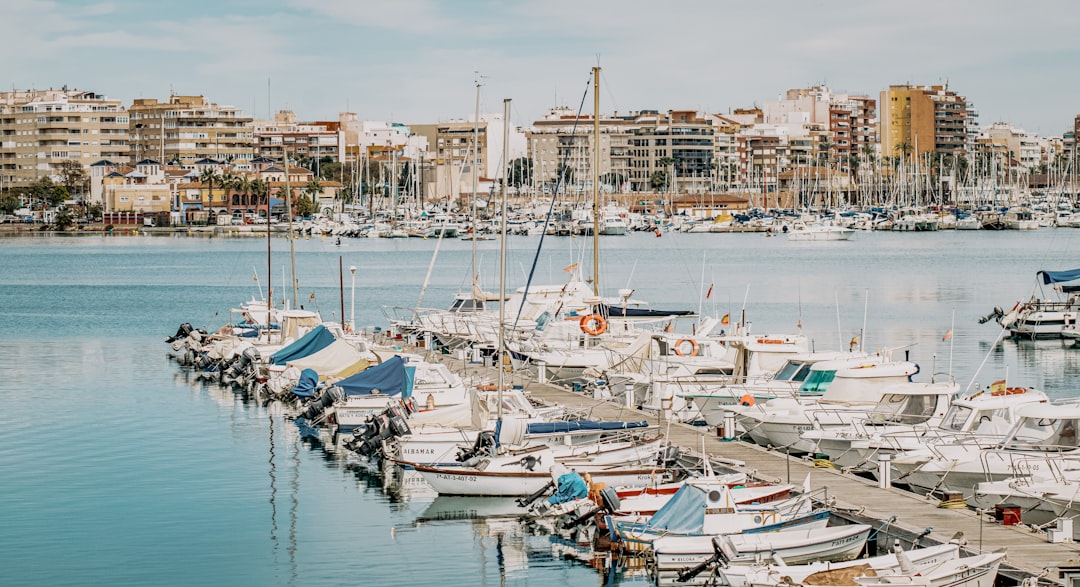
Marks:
<point>866,306</point>
<point>989,350</point>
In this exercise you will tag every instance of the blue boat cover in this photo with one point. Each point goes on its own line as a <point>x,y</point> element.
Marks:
<point>391,377</point>
<point>1059,276</point>
<point>305,387</point>
<point>578,425</point>
<point>684,513</point>
<point>312,342</point>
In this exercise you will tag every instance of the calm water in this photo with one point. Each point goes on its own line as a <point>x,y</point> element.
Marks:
<point>117,469</point>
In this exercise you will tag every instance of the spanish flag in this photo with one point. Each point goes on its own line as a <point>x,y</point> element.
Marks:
<point>997,387</point>
<point>726,319</point>
<point>570,268</point>
<point>854,343</point>
<point>947,335</point>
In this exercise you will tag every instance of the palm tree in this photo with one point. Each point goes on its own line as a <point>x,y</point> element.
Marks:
<point>313,190</point>
<point>208,176</point>
<point>261,190</point>
<point>242,184</point>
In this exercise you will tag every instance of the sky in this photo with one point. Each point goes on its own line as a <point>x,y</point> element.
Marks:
<point>418,61</point>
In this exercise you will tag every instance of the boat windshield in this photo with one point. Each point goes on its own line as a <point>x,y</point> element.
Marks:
<point>1047,434</point>
<point>793,371</point>
<point>904,408</point>
<point>956,418</point>
<point>817,381</point>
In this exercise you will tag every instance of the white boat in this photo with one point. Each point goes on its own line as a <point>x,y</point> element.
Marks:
<point>849,392</point>
<point>823,231</point>
<point>693,511</point>
<point>971,571</point>
<point>1043,434</point>
<point>523,472</point>
<point>769,575</point>
<point>675,554</point>
<point>1044,315</point>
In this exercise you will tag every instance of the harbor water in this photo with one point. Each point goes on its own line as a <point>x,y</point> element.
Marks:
<point>118,468</point>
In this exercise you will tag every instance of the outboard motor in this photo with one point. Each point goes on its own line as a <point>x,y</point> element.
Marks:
<point>484,446</point>
<point>997,313</point>
<point>319,405</point>
<point>669,457</point>
<point>718,558</point>
<point>609,502</point>
<point>185,329</point>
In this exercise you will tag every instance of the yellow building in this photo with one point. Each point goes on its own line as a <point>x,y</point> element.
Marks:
<point>921,119</point>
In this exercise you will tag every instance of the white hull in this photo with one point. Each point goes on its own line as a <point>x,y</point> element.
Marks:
<point>840,543</point>
<point>467,481</point>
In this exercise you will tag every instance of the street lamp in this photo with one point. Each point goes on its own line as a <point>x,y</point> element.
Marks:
<point>352,301</point>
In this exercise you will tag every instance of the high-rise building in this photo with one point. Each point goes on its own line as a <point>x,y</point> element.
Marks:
<point>922,119</point>
<point>186,129</point>
<point>40,129</point>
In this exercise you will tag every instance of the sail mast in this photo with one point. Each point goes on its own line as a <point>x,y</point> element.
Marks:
<point>596,181</point>
<point>475,172</point>
<point>501,355</point>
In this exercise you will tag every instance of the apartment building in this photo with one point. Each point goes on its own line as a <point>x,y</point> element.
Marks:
<point>920,119</point>
<point>563,142</point>
<point>1019,148</point>
<point>309,143</point>
<point>185,129</point>
<point>849,122</point>
<point>40,129</point>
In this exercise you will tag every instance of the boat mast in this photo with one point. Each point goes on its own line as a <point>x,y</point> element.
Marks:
<point>501,355</point>
<point>596,182</point>
<point>288,210</point>
<point>475,171</point>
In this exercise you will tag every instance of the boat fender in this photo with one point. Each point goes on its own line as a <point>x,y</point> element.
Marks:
<point>746,400</point>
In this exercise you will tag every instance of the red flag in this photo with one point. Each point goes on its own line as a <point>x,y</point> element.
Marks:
<point>947,335</point>
<point>708,294</point>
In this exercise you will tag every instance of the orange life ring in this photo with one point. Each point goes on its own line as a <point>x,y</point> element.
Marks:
<point>593,324</point>
<point>693,347</point>
<point>746,400</point>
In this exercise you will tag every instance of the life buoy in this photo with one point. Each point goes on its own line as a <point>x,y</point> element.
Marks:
<point>746,400</point>
<point>693,347</point>
<point>593,324</point>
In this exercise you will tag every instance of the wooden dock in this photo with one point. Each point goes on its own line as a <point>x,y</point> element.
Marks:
<point>852,497</point>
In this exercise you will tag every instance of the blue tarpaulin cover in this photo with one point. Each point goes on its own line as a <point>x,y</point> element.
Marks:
<point>312,342</point>
<point>390,377</point>
<point>684,513</point>
<point>576,425</point>
<point>1059,276</point>
<point>305,387</point>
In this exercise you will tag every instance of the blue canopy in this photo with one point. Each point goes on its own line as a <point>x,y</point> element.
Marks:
<point>311,343</point>
<point>305,387</point>
<point>684,513</point>
<point>391,377</point>
<point>576,425</point>
<point>1059,276</point>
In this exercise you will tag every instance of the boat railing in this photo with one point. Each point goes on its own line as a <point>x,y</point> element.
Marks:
<point>1040,460</point>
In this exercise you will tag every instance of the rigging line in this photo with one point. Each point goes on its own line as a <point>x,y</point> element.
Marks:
<point>551,206</point>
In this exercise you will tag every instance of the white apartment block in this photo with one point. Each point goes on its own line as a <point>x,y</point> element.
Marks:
<point>39,129</point>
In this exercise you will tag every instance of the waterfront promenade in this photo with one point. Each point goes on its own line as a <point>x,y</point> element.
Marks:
<point>854,498</point>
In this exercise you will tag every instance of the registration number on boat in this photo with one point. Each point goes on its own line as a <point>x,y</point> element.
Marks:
<point>447,477</point>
